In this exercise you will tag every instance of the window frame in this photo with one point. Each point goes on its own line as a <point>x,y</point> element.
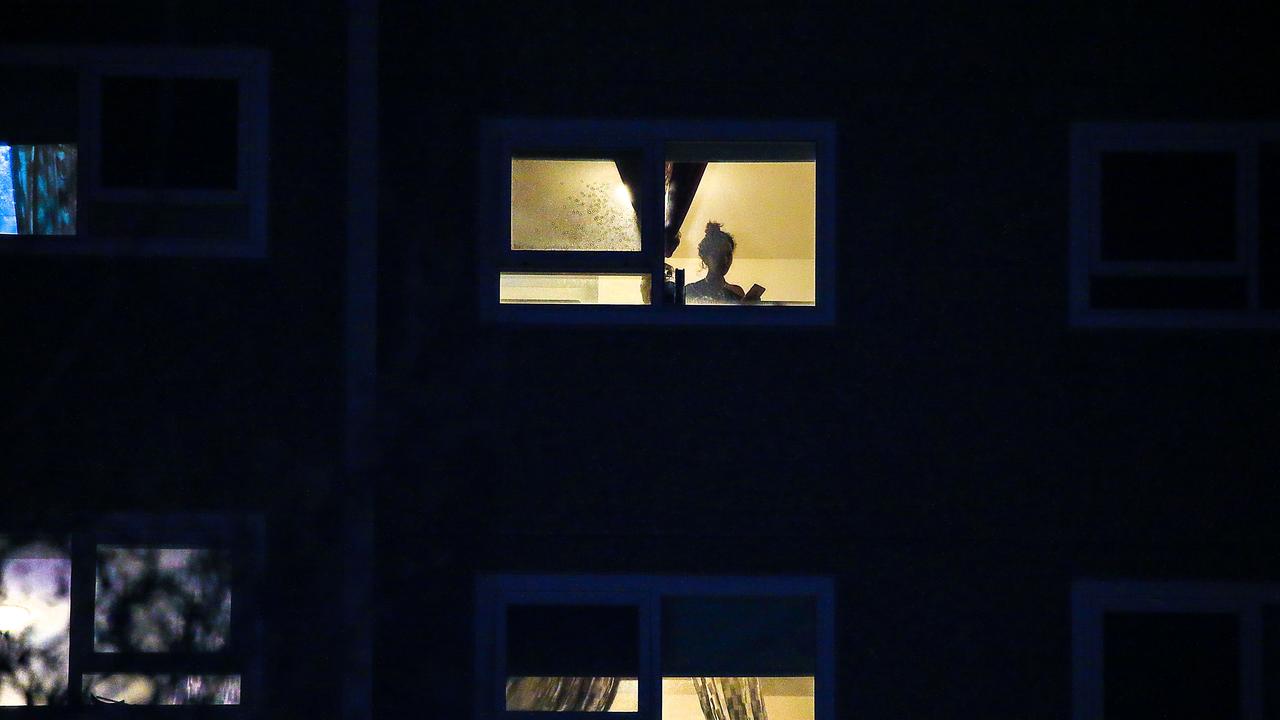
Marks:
<point>495,592</point>
<point>243,536</point>
<point>1088,142</point>
<point>1091,600</point>
<point>500,136</point>
<point>249,67</point>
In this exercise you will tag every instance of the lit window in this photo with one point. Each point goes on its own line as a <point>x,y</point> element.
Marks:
<point>38,189</point>
<point>35,619</point>
<point>658,222</point>
<point>134,610</point>
<point>666,648</point>
<point>1175,225</point>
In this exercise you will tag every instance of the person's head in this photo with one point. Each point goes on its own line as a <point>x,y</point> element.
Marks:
<point>716,249</point>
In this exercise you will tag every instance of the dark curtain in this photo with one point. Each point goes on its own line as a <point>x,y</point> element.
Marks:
<point>730,698</point>
<point>561,694</point>
<point>630,168</point>
<point>683,179</point>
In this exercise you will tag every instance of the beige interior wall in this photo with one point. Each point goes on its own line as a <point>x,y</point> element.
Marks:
<point>770,208</point>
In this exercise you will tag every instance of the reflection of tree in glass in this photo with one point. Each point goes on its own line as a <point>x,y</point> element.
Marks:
<point>164,689</point>
<point>35,580</point>
<point>162,600</point>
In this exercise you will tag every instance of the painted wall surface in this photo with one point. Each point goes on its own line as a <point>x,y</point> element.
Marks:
<point>950,449</point>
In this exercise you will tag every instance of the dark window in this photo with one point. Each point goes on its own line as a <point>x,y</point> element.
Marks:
<point>1168,206</point>
<point>1163,293</point>
<point>169,132</point>
<point>1171,666</point>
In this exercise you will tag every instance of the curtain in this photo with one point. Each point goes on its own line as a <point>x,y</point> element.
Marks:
<point>44,188</point>
<point>683,179</point>
<point>730,698</point>
<point>561,694</point>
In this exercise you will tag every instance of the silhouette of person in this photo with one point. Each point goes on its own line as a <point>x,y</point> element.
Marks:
<point>716,250</point>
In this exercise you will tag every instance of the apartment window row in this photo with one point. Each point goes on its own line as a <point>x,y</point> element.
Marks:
<point>137,611</point>
<point>134,151</point>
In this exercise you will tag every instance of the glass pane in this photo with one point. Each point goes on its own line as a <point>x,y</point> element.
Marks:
<point>574,204</point>
<point>1169,206</point>
<point>573,289</point>
<point>579,658</point>
<point>163,689</point>
<point>775,698</point>
<point>739,636</point>
<point>741,221</point>
<point>573,694</point>
<point>1171,666</point>
<point>38,189</point>
<point>170,132</point>
<point>35,617</point>
<point>162,600</point>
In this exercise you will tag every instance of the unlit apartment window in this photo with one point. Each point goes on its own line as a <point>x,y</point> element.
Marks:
<point>658,221</point>
<point>1172,650</point>
<point>655,647</point>
<point>134,151</point>
<point>1173,225</point>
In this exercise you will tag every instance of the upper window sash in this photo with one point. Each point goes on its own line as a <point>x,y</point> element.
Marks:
<point>1089,143</point>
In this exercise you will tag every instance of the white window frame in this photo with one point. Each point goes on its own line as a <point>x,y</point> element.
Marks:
<point>1088,143</point>
<point>1091,600</point>
<point>495,592</point>
<point>499,137</point>
<point>249,67</point>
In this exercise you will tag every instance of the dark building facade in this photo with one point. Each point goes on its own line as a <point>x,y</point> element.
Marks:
<point>951,451</point>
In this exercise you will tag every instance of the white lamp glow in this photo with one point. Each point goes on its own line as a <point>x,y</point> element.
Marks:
<point>622,194</point>
<point>13,618</point>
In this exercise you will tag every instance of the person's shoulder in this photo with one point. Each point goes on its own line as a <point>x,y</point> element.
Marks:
<point>735,290</point>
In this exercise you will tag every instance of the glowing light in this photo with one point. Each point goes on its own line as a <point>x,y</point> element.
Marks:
<point>13,618</point>
<point>622,193</point>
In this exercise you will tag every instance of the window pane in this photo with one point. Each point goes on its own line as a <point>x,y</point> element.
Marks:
<point>583,658</point>
<point>170,132</point>
<point>1169,206</point>
<point>1164,293</point>
<point>573,289</point>
<point>775,698</point>
<point>162,600</point>
<point>35,617</point>
<point>164,689</point>
<point>1171,666</point>
<point>573,694</point>
<point>739,636</point>
<point>38,189</point>
<point>565,204</point>
<point>740,215</point>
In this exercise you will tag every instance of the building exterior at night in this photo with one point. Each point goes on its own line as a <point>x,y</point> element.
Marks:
<point>998,435</point>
